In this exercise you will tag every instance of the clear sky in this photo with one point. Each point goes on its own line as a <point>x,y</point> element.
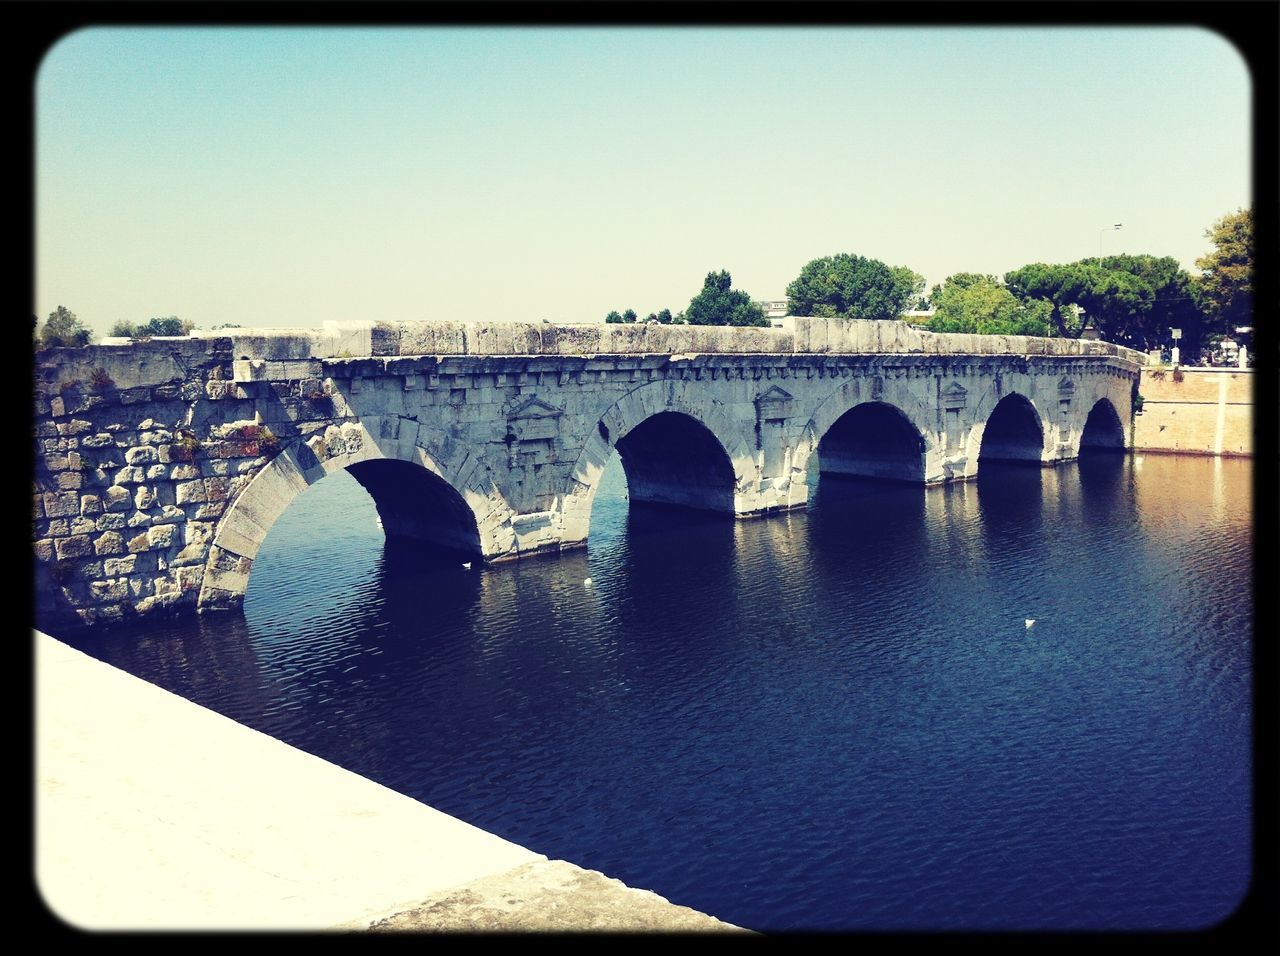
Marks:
<point>286,176</point>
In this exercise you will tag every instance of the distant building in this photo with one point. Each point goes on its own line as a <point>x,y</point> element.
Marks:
<point>774,309</point>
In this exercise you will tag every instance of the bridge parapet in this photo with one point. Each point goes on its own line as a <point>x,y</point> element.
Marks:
<point>797,336</point>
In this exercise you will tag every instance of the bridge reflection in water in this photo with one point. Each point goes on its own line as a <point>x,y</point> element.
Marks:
<point>830,719</point>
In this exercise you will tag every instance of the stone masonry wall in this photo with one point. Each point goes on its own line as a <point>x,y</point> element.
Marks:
<point>1206,411</point>
<point>160,465</point>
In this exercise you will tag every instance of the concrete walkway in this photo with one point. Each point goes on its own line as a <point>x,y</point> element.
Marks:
<point>155,813</point>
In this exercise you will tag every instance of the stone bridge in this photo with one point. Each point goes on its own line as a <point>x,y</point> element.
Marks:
<point>161,465</point>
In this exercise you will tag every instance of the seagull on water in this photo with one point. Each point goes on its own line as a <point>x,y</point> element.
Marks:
<point>467,565</point>
<point>1030,622</point>
<point>586,582</point>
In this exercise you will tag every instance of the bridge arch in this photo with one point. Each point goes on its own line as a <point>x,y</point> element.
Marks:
<point>1013,430</point>
<point>675,450</point>
<point>873,440</point>
<point>1102,429</point>
<point>888,436</point>
<point>415,497</point>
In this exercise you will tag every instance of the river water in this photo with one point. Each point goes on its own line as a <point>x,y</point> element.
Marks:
<point>835,719</point>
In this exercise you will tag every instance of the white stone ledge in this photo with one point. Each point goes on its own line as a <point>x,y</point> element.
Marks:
<point>155,813</point>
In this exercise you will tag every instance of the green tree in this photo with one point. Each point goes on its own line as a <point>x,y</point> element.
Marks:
<point>1114,302</point>
<point>1225,284</point>
<point>170,325</point>
<point>910,286</point>
<point>64,329</point>
<point>853,287</point>
<point>1174,302</point>
<point>664,317</point>
<point>718,304</point>
<point>614,317</point>
<point>629,315</point>
<point>968,302</point>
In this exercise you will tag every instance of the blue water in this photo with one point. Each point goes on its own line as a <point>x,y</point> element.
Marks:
<point>835,719</point>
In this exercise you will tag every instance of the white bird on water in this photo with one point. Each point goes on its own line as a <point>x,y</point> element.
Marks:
<point>467,565</point>
<point>1030,622</point>
<point>586,582</point>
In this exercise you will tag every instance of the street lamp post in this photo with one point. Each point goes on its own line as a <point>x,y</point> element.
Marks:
<point>1110,228</point>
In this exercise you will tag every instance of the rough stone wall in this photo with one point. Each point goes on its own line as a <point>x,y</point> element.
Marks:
<point>1207,411</point>
<point>161,466</point>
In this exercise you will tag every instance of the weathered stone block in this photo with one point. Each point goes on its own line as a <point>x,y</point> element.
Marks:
<point>144,497</point>
<point>83,525</point>
<point>181,471</point>
<point>139,519</point>
<point>76,546</point>
<point>110,522</point>
<point>76,426</point>
<point>212,509</point>
<point>162,536</point>
<point>56,528</point>
<point>157,471</point>
<point>191,491</point>
<point>118,499</point>
<point>142,455</point>
<point>44,550</point>
<point>117,567</point>
<point>61,504</point>
<point>168,514</point>
<point>57,407</point>
<point>69,480</point>
<point>116,590</point>
<point>139,543</point>
<point>141,588</point>
<point>109,542</point>
<point>189,578</point>
<point>217,489</point>
<point>132,396</point>
<point>128,475</point>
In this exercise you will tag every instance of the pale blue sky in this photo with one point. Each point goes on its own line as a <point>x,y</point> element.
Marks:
<point>289,176</point>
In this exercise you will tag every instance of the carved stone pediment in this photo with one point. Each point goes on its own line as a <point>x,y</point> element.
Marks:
<point>534,408</point>
<point>955,396</point>
<point>534,420</point>
<point>1066,390</point>
<point>776,403</point>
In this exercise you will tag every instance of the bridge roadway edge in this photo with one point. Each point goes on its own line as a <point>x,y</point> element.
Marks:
<point>153,813</point>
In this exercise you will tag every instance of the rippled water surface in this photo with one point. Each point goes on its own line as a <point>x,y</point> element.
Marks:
<point>835,719</point>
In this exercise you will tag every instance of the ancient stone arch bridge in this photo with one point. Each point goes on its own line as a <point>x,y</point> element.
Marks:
<point>161,465</point>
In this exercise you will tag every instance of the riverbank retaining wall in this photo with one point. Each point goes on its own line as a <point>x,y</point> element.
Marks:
<point>1202,411</point>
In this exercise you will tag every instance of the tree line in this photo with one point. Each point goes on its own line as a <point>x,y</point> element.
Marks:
<point>1131,300</point>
